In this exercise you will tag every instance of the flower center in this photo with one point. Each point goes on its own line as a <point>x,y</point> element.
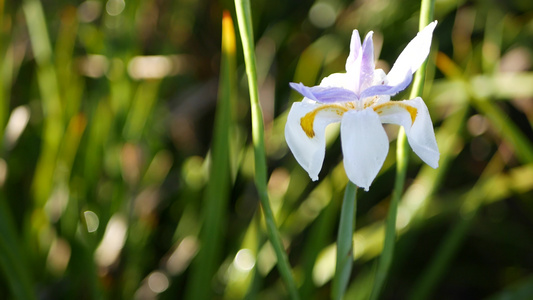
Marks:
<point>307,122</point>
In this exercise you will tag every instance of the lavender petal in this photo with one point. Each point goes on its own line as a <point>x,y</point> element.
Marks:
<point>367,63</point>
<point>387,89</point>
<point>325,94</point>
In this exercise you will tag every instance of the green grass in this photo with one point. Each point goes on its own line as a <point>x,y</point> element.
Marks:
<point>145,171</point>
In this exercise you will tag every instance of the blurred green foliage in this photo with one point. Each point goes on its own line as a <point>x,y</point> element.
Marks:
<point>108,110</point>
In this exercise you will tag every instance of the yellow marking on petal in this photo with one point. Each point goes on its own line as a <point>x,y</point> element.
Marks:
<point>308,120</point>
<point>370,102</point>
<point>395,104</point>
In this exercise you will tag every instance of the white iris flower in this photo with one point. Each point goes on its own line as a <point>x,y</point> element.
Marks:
<point>360,100</point>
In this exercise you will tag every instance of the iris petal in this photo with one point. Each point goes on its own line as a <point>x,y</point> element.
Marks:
<point>325,94</point>
<point>340,80</point>
<point>355,51</point>
<point>413,115</point>
<point>388,89</point>
<point>364,145</point>
<point>414,54</point>
<point>367,63</point>
<point>309,146</point>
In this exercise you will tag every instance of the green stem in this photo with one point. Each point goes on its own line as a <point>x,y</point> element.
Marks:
<point>343,266</point>
<point>244,20</point>
<point>426,16</point>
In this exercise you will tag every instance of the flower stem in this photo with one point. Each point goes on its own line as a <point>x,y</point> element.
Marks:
<point>244,20</point>
<point>426,16</point>
<point>343,266</point>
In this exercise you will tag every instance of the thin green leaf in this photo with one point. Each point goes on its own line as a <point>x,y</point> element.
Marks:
<point>244,18</point>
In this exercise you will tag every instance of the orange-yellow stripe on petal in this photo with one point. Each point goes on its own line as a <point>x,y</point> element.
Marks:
<point>308,120</point>
<point>391,105</point>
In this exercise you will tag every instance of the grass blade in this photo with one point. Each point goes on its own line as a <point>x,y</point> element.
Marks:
<point>244,18</point>
<point>53,127</point>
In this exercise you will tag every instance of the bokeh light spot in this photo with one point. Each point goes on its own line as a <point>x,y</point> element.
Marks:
<point>91,220</point>
<point>244,260</point>
<point>114,237</point>
<point>115,7</point>
<point>322,15</point>
<point>89,11</point>
<point>158,282</point>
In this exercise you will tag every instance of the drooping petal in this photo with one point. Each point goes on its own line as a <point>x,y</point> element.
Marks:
<point>413,115</point>
<point>305,133</point>
<point>324,94</point>
<point>388,89</point>
<point>355,51</point>
<point>367,63</point>
<point>364,145</point>
<point>414,54</point>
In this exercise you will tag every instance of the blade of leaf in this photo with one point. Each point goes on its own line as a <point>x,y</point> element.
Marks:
<point>244,18</point>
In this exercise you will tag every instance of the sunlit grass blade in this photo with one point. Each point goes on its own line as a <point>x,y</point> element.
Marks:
<point>244,18</point>
<point>141,108</point>
<point>402,157</point>
<point>71,84</point>
<point>218,186</point>
<point>343,266</point>
<point>51,103</point>
<point>241,274</point>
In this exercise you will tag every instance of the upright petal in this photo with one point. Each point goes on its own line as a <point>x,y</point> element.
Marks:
<point>413,115</point>
<point>324,94</point>
<point>305,133</point>
<point>414,54</point>
<point>355,51</point>
<point>364,145</point>
<point>342,80</point>
<point>367,63</point>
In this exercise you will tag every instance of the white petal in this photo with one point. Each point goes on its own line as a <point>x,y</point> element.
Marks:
<point>355,52</point>
<point>364,145</point>
<point>420,134</point>
<point>342,80</point>
<point>412,56</point>
<point>380,78</point>
<point>309,151</point>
